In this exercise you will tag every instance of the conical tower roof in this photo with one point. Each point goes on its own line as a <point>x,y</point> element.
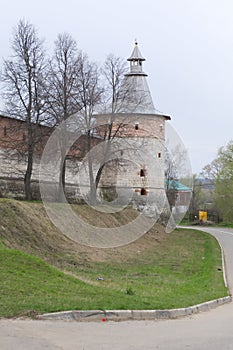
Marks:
<point>135,88</point>
<point>134,96</point>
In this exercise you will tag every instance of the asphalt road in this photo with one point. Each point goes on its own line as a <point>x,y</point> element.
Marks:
<point>212,330</point>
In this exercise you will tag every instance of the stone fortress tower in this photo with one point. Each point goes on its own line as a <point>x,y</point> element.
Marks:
<point>140,149</point>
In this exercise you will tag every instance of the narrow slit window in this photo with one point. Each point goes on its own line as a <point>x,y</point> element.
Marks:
<point>136,126</point>
<point>142,172</point>
<point>143,192</point>
<point>159,155</point>
<point>4,131</point>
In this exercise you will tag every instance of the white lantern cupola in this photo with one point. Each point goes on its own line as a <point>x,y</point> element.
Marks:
<point>136,60</point>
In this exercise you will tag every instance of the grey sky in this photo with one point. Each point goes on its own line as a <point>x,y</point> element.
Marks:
<point>188,45</point>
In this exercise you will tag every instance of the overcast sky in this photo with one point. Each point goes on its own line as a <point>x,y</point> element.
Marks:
<point>188,45</point>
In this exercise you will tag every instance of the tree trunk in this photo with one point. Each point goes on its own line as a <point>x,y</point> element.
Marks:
<point>62,171</point>
<point>61,185</point>
<point>28,175</point>
<point>93,189</point>
<point>98,175</point>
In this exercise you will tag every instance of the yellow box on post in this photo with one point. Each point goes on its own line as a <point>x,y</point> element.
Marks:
<point>202,215</point>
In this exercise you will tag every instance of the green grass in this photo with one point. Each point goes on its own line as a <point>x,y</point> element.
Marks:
<point>225,224</point>
<point>29,284</point>
<point>183,271</point>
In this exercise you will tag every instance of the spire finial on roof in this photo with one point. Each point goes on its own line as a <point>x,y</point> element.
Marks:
<point>136,54</point>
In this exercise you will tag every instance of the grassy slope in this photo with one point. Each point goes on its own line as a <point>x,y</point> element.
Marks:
<point>28,283</point>
<point>157,271</point>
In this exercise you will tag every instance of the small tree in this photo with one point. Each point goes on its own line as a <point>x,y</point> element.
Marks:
<point>224,182</point>
<point>23,77</point>
<point>196,200</point>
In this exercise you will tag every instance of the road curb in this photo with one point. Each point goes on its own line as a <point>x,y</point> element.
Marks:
<point>224,267</point>
<point>124,315</point>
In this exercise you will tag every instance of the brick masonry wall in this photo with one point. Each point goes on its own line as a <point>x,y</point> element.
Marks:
<point>145,134</point>
<point>135,125</point>
<point>142,132</point>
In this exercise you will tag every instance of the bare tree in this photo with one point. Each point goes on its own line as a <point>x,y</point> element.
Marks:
<point>62,98</point>
<point>101,109</point>
<point>90,94</point>
<point>114,74</point>
<point>176,170</point>
<point>106,117</point>
<point>170,170</point>
<point>22,77</point>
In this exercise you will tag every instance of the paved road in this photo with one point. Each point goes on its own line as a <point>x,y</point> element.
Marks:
<point>212,330</point>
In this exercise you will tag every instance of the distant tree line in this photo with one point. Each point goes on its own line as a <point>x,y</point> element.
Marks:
<point>213,190</point>
<point>220,170</point>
